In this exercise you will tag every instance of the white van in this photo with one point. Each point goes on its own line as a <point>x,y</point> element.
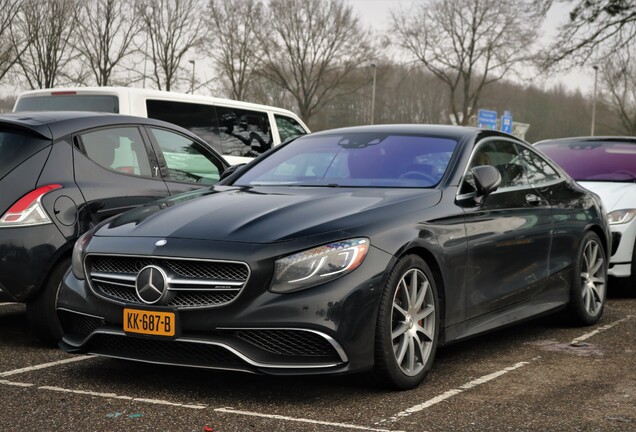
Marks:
<point>237,130</point>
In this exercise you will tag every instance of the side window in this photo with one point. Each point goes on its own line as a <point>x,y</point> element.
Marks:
<point>538,169</point>
<point>200,119</point>
<point>504,156</point>
<point>244,132</point>
<point>187,161</point>
<point>288,127</point>
<point>119,149</point>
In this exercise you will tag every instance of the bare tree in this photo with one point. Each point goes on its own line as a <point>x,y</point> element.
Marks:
<point>233,43</point>
<point>173,27</point>
<point>619,83</point>
<point>12,45</point>
<point>469,44</point>
<point>107,31</point>
<point>594,26</point>
<point>50,24</point>
<point>311,48</point>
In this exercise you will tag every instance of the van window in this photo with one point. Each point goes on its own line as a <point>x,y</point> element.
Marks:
<point>119,149</point>
<point>101,103</point>
<point>200,119</point>
<point>288,127</point>
<point>244,132</point>
<point>186,160</point>
<point>16,147</point>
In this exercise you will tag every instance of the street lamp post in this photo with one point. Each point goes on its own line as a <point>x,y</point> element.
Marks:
<point>594,100</point>
<point>375,69</point>
<point>192,78</point>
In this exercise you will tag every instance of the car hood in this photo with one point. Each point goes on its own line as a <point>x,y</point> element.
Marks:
<point>265,215</point>
<point>615,195</point>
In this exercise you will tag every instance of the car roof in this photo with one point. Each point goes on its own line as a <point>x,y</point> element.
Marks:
<point>56,124</point>
<point>445,131</point>
<point>607,138</point>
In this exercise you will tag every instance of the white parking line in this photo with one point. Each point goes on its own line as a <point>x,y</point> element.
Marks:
<point>462,388</point>
<point>301,420</point>
<point>599,330</point>
<point>6,304</point>
<point>17,384</point>
<point>44,365</point>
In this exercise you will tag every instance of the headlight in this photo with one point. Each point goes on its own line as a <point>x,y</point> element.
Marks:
<point>621,216</point>
<point>318,265</point>
<point>77,264</point>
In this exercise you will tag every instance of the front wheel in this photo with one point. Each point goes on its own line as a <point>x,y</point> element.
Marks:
<point>408,324</point>
<point>589,286</point>
<point>41,312</point>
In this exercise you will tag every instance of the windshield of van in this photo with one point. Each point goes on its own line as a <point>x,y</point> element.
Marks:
<point>594,160</point>
<point>355,160</point>
<point>16,147</point>
<point>72,102</point>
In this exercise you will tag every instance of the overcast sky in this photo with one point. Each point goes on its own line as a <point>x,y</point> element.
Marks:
<point>376,14</point>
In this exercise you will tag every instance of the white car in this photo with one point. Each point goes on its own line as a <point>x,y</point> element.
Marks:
<point>606,166</point>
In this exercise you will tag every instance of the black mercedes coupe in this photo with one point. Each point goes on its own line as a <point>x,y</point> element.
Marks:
<point>348,250</point>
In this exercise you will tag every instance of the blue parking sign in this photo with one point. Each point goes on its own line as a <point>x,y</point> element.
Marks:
<point>506,122</point>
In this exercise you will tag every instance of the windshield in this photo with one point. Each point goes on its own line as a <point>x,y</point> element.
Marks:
<point>356,160</point>
<point>16,147</point>
<point>594,160</point>
<point>100,103</point>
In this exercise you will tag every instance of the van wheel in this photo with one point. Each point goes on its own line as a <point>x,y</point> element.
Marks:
<point>589,284</point>
<point>41,312</point>
<point>408,325</point>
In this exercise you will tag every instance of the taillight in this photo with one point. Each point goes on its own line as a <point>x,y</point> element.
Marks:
<point>28,210</point>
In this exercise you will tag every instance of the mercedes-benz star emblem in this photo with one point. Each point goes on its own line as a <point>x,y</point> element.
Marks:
<point>151,284</point>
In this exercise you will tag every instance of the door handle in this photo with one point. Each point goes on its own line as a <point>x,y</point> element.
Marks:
<point>533,199</point>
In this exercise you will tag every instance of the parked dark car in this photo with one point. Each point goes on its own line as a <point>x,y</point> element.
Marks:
<point>61,173</point>
<point>342,251</point>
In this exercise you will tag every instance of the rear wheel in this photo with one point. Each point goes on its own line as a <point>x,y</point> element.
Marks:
<point>589,287</point>
<point>408,325</point>
<point>41,312</point>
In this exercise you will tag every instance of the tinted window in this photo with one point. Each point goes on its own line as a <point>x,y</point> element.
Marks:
<point>504,156</point>
<point>594,160</point>
<point>119,149</point>
<point>100,103</point>
<point>538,170</point>
<point>244,132</point>
<point>288,127</point>
<point>200,119</point>
<point>187,161</point>
<point>16,147</point>
<point>365,160</point>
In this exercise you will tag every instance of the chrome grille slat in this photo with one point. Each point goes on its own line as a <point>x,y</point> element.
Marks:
<point>195,283</point>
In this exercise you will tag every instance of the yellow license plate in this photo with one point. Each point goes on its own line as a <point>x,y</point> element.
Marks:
<point>149,322</point>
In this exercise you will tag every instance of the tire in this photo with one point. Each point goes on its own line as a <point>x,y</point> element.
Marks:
<point>407,333</point>
<point>41,312</point>
<point>589,284</point>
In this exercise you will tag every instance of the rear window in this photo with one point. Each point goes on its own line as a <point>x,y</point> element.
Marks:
<point>594,160</point>
<point>16,147</point>
<point>99,103</point>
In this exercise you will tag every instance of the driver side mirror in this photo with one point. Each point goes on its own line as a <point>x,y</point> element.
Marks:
<point>487,179</point>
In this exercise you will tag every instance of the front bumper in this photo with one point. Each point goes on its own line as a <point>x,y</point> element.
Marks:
<point>622,256</point>
<point>325,329</point>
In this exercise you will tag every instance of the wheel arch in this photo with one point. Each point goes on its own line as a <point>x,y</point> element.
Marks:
<point>596,229</point>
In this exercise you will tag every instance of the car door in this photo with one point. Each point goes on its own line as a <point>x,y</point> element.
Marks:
<point>184,163</point>
<point>508,233</point>
<point>116,170</point>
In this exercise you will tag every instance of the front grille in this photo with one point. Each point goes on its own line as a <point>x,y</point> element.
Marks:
<point>164,351</point>
<point>194,284</point>
<point>78,324</point>
<point>289,342</point>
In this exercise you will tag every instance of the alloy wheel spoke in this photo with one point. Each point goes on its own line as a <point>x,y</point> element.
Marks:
<point>595,268</point>
<point>398,308</point>
<point>413,289</point>
<point>401,349</point>
<point>588,299</point>
<point>422,295</point>
<point>411,354</point>
<point>399,331</point>
<point>427,311</point>
<point>593,253</point>
<point>428,334</point>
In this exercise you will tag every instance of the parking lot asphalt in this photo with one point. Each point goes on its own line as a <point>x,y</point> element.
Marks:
<point>539,376</point>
